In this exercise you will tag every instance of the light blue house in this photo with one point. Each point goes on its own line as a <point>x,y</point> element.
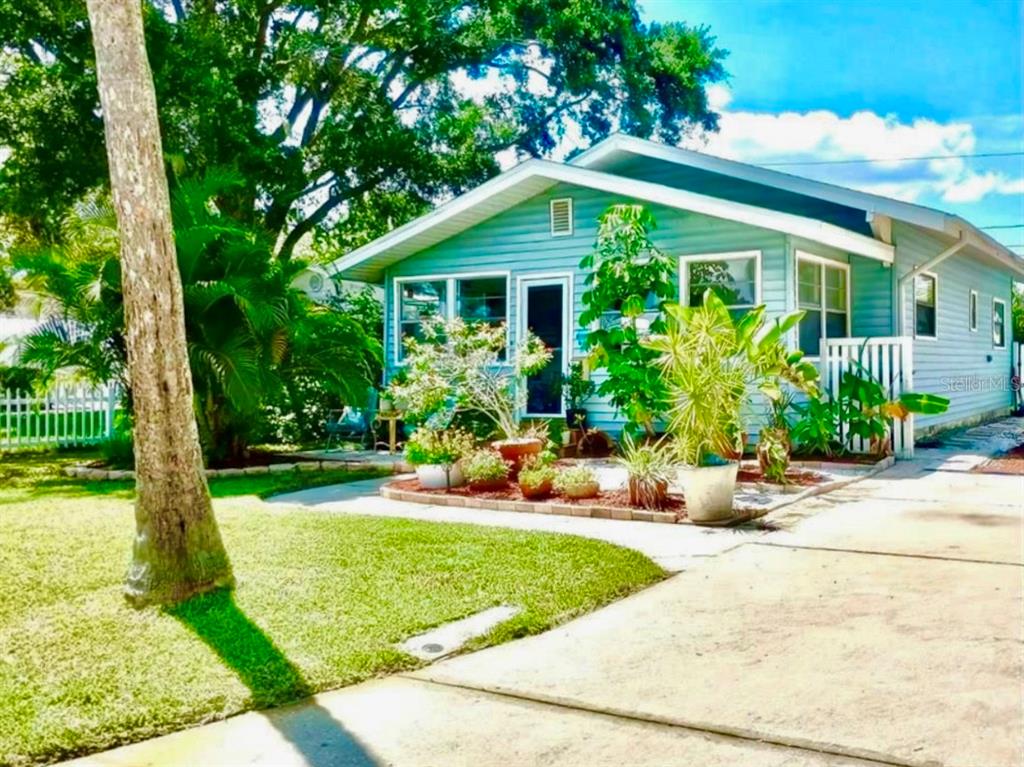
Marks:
<point>930,291</point>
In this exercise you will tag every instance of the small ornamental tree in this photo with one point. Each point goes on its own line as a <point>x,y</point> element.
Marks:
<point>628,282</point>
<point>458,367</point>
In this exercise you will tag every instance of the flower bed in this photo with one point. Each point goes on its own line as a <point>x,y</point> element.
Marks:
<point>1010,462</point>
<point>607,505</point>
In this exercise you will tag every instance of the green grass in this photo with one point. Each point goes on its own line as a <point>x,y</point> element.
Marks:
<point>321,600</point>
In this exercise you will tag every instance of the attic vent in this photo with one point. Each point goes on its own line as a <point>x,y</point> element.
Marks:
<point>561,217</point>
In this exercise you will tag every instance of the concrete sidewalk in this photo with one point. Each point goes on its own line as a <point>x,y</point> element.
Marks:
<point>881,624</point>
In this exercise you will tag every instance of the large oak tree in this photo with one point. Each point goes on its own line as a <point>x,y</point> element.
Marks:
<point>360,112</point>
<point>178,550</point>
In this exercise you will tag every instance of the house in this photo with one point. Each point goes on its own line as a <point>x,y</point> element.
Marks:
<point>929,289</point>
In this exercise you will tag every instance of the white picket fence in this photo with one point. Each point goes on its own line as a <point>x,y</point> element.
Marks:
<point>65,415</point>
<point>891,362</point>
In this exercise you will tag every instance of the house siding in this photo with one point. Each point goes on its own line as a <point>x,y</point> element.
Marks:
<point>959,364</point>
<point>519,241</point>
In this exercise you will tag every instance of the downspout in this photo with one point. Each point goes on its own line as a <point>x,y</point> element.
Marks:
<point>926,266</point>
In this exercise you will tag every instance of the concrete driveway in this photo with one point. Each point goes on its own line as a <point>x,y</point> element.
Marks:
<point>880,625</point>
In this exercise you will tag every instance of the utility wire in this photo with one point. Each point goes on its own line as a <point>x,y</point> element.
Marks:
<point>1003,226</point>
<point>893,159</point>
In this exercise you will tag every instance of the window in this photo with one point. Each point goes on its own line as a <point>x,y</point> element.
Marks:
<point>998,323</point>
<point>561,217</point>
<point>823,294</point>
<point>418,303</point>
<point>734,277</point>
<point>926,288</point>
<point>972,310</point>
<point>481,298</point>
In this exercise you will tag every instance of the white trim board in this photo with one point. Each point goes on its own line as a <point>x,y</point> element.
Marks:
<point>565,279</point>
<point>532,177</point>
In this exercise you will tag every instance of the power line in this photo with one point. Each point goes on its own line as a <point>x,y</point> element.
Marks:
<point>893,159</point>
<point>1003,226</point>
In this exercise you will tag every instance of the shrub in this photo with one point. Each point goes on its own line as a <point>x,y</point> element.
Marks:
<point>459,369</point>
<point>485,465</point>
<point>536,471</point>
<point>816,431</point>
<point>437,447</point>
<point>576,387</point>
<point>650,468</point>
<point>573,477</point>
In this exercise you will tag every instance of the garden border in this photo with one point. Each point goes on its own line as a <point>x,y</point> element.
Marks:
<point>598,511</point>
<point>90,472</point>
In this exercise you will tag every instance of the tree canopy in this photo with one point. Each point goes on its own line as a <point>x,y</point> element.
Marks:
<point>356,111</point>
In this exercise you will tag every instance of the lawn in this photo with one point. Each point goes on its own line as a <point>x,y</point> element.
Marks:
<point>321,601</point>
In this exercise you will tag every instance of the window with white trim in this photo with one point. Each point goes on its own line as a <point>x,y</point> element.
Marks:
<point>481,298</point>
<point>972,311</point>
<point>734,278</point>
<point>419,302</point>
<point>998,323</point>
<point>926,292</point>
<point>823,293</point>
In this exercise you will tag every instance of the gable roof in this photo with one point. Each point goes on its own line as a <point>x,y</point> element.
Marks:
<point>367,263</point>
<point>619,146</point>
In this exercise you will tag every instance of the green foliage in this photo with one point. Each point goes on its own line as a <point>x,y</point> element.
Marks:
<point>867,409</point>
<point>441,447</point>
<point>576,386</point>
<point>320,603</point>
<point>537,470</point>
<point>1017,310</point>
<point>345,118</point>
<point>650,467</point>
<point>816,431</point>
<point>119,450</point>
<point>712,362</point>
<point>773,449</point>
<point>573,477</point>
<point>18,378</point>
<point>459,368</point>
<point>628,279</point>
<point>485,465</point>
<point>250,333</point>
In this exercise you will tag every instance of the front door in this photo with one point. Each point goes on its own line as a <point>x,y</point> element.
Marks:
<point>543,309</point>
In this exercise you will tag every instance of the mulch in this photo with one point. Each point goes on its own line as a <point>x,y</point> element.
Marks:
<point>615,499</point>
<point>793,476</point>
<point>1011,462</point>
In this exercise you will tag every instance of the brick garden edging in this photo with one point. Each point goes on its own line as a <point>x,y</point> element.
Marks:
<point>596,511</point>
<point>89,472</point>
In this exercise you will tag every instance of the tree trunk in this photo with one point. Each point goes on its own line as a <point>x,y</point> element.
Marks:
<point>178,550</point>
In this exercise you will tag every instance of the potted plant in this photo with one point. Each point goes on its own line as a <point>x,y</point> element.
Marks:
<point>577,482</point>
<point>461,367</point>
<point>536,477</point>
<point>576,390</point>
<point>774,447</point>
<point>712,363</point>
<point>486,470</point>
<point>649,469</point>
<point>436,454</point>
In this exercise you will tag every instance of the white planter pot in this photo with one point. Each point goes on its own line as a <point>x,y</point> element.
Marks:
<point>433,476</point>
<point>709,492</point>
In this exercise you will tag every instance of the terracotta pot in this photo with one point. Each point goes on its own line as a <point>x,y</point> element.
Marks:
<point>488,485</point>
<point>543,490</point>
<point>587,490</point>
<point>515,451</point>
<point>648,495</point>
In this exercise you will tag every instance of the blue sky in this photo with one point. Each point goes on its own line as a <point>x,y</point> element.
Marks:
<point>868,78</point>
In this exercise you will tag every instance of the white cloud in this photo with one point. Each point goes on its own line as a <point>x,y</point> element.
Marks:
<point>762,137</point>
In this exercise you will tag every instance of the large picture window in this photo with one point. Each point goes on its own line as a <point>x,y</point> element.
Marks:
<point>823,293</point>
<point>482,298</point>
<point>734,277</point>
<point>926,291</point>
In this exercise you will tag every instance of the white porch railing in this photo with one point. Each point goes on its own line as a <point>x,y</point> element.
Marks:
<point>65,415</point>
<point>891,362</point>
